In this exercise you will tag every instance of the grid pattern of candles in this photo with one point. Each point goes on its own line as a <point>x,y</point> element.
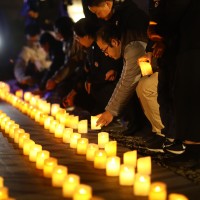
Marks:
<point>103,154</point>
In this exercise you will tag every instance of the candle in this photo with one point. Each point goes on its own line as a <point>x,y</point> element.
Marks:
<point>42,119</point>
<point>126,175</point>
<point>74,122</point>
<point>144,165</point>
<point>67,135</point>
<point>82,144</point>
<point>1,182</point>
<point>141,185</point>
<point>83,126</point>
<point>59,130</point>
<point>54,109</point>
<point>58,175</point>
<point>27,145</point>
<point>91,150</point>
<point>100,159</point>
<point>8,125</point>
<point>49,165</point>
<point>94,122</point>
<point>12,129</point>
<point>27,96</point>
<point>63,118</point>
<point>33,113</point>
<point>53,126</point>
<point>69,185</point>
<point>19,93</point>
<point>175,196</point>
<point>4,193</point>
<point>111,148</point>
<point>130,158</point>
<point>47,122</point>
<point>103,138</point>
<point>113,166</point>
<point>16,134</point>
<point>158,191</point>
<point>41,157</point>
<point>4,121</point>
<point>73,139</point>
<point>34,149</point>
<point>22,137</point>
<point>60,112</point>
<point>82,192</point>
<point>146,68</point>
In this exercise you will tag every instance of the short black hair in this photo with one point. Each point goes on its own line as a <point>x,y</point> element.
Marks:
<point>32,29</point>
<point>86,26</point>
<point>95,2</point>
<point>47,38</point>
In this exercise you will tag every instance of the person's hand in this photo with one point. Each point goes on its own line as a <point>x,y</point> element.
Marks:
<point>158,49</point>
<point>51,84</point>
<point>68,101</point>
<point>88,87</point>
<point>104,119</point>
<point>110,75</point>
<point>146,58</point>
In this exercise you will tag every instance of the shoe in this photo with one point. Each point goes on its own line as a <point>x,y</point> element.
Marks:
<point>131,130</point>
<point>155,144</point>
<point>175,147</point>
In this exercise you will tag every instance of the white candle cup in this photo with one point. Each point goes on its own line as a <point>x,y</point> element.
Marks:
<point>126,175</point>
<point>146,68</point>
<point>34,149</point>
<point>58,175</point>
<point>73,140</point>
<point>22,137</point>
<point>17,132</point>
<point>94,122</point>
<point>175,196</point>
<point>63,118</point>
<point>70,183</point>
<point>83,126</point>
<point>27,96</point>
<point>74,122</point>
<point>27,145</point>
<point>91,150</point>
<point>113,166</point>
<point>82,144</point>
<point>59,130</point>
<point>52,127</point>
<point>12,129</point>
<point>54,109</point>
<point>100,159</point>
<point>141,185</point>
<point>41,157</point>
<point>144,165</point>
<point>67,135</point>
<point>82,192</point>
<point>8,126</point>
<point>49,165</point>
<point>4,193</point>
<point>111,148</point>
<point>158,191</point>
<point>103,138</point>
<point>47,122</point>
<point>130,158</point>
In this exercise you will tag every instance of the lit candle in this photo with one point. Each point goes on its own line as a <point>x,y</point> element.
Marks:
<point>47,122</point>
<point>49,165</point>
<point>53,126</point>
<point>158,191</point>
<point>34,149</point>
<point>27,145</point>
<point>63,118</point>
<point>59,130</point>
<point>8,125</point>
<point>41,157</point>
<point>82,192</point>
<point>141,185</point>
<point>74,122</point>
<point>22,137</point>
<point>67,135</point>
<point>42,119</point>
<point>12,129</point>
<point>100,159</point>
<point>103,138</point>
<point>73,139</point>
<point>27,96</point>
<point>111,148</point>
<point>58,175</point>
<point>60,112</point>
<point>4,193</point>
<point>3,122</point>
<point>126,175</point>
<point>94,122</point>
<point>146,68</point>
<point>175,196</point>
<point>144,165</point>
<point>69,185</point>
<point>54,109</point>
<point>1,182</point>
<point>17,133</point>
<point>82,144</point>
<point>113,166</point>
<point>33,113</point>
<point>130,158</point>
<point>83,126</point>
<point>19,93</point>
<point>91,150</point>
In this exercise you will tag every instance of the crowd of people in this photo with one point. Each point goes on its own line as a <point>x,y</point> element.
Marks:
<point>94,64</point>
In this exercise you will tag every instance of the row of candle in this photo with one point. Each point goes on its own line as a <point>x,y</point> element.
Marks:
<point>70,183</point>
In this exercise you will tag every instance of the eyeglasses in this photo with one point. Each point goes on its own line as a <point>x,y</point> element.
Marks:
<point>105,51</point>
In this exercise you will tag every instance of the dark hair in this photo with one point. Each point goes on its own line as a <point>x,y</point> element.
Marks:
<point>108,32</point>
<point>85,27</point>
<point>32,29</point>
<point>65,27</point>
<point>95,2</point>
<point>47,38</point>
